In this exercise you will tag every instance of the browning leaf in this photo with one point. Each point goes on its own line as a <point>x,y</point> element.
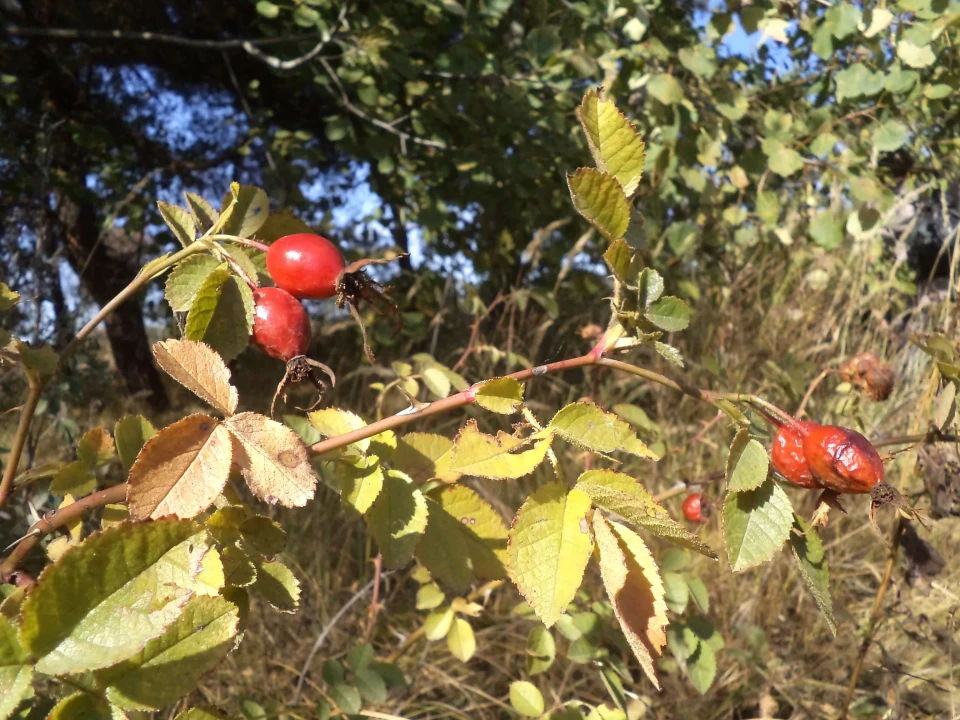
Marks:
<point>181,470</point>
<point>200,370</point>
<point>273,459</point>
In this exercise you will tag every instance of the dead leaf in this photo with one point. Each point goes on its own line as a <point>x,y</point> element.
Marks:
<point>200,370</point>
<point>273,459</point>
<point>181,470</point>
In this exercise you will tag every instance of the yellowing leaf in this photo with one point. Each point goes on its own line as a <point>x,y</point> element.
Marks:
<point>273,460</point>
<point>331,422</point>
<point>613,140</point>
<point>600,199</point>
<point>95,448</point>
<point>549,547</point>
<point>397,518</point>
<point>443,549</point>
<point>461,641</point>
<point>592,427</point>
<point>181,470</point>
<point>359,482</point>
<point>635,590</point>
<point>488,456</point>
<point>200,370</point>
<point>500,395</point>
<point>58,546</point>
<point>15,673</point>
<point>484,529</point>
<point>84,706</point>
<point>73,478</point>
<point>417,455</point>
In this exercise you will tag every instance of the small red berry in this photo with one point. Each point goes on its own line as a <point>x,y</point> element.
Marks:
<point>788,458</point>
<point>281,327</point>
<point>693,507</point>
<point>306,266</point>
<point>842,460</point>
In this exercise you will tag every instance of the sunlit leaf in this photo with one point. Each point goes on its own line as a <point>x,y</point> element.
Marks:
<point>549,547</point>
<point>812,562</point>
<point>397,519</point>
<point>755,524</point>
<point>526,699</point>
<point>483,528</point>
<point>541,650</point>
<point>635,590</point>
<point>613,140</point>
<point>84,706</point>
<point>497,457</point>
<point>142,572</point>
<point>199,369</point>
<point>181,470</point>
<point>222,313</point>
<point>600,199</point>
<point>277,584</point>
<point>461,641</point>
<point>747,463</point>
<point>131,433</point>
<point>179,221</point>
<point>16,673</point>
<point>417,455</point>
<point>592,427</point>
<point>500,395</point>
<point>250,211</point>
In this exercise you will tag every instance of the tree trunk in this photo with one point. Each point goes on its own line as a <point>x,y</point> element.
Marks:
<point>107,265</point>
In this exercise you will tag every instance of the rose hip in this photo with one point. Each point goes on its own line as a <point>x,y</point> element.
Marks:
<point>841,459</point>
<point>788,458</point>
<point>305,265</point>
<point>693,507</point>
<point>281,327</point>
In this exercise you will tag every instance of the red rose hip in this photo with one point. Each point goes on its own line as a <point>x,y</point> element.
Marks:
<point>788,458</point>
<point>693,507</point>
<point>842,460</point>
<point>281,327</point>
<point>305,265</point>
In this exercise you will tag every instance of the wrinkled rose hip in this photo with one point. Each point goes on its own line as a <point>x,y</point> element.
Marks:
<point>788,457</point>
<point>841,459</point>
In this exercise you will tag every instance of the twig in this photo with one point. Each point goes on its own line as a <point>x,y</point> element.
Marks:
<point>57,519</point>
<point>19,440</point>
<point>813,386</point>
<point>874,619</point>
<point>375,600</point>
<point>326,631</point>
<point>72,34</point>
<point>278,64</point>
<point>404,136</point>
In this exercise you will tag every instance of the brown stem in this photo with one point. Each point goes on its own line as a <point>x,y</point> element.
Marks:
<point>19,441</point>
<point>813,386</point>
<point>375,599</point>
<point>57,519</point>
<point>874,619</point>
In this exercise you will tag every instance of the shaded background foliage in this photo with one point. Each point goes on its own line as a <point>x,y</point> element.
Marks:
<point>799,189</point>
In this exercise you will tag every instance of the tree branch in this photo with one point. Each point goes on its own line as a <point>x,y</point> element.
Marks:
<point>70,35</point>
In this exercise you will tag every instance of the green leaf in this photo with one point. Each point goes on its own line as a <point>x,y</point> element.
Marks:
<point>735,108</point>
<point>143,572</point>
<point>222,314</point>
<point>747,463</point>
<point>249,212</point>
<point>589,426</point>
<point>83,706</point>
<point>500,395</point>
<point>307,17</point>
<point>489,456</point>
<point>784,161</point>
<point>205,712</point>
<point>635,590</point>
<point>670,314</point>
<point>890,135</point>
<point>600,199</point>
<point>826,230</point>
<point>40,363</point>
<point>621,260</point>
<point>204,216</point>
<point>549,547</point>
<point>461,641</point>
<point>277,584</point>
<point>613,140</point>
<point>698,591</point>
<point>812,562</point>
<point>526,699</point>
<point>857,81</point>
<point>280,224</point>
<point>15,675</point>
<point>444,548</point>
<point>877,20</point>
<point>621,494</point>
<point>666,89</point>
<point>842,18</point>
<point>347,697</point>
<point>676,592</point>
<point>397,519</point>
<point>755,524</point>
<point>699,59</point>
<point>131,434</point>
<point>263,535</point>
<point>649,287</point>
<point>268,9</point>
<point>438,623</point>
<point>96,448</point>
<point>170,666</point>
<point>541,650</point>
<point>179,221</point>
<point>915,56</point>
<point>436,381</point>
<point>73,478</point>
<point>702,668</point>
<point>483,529</point>
<point>371,686</point>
